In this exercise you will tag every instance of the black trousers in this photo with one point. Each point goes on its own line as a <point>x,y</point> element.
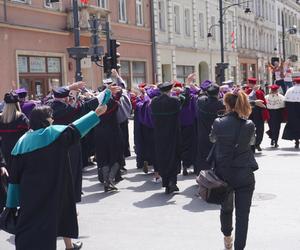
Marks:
<point>242,182</point>
<point>275,123</point>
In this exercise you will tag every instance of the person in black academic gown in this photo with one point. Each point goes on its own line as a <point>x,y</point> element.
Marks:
<point>64,113</point>
<point>208,109</point>
<point>109,142</point>
<point>292,102</point>
<point>13,124</point>
<point>41,174</point>
<point>165,110</point>
<point>3,176</point>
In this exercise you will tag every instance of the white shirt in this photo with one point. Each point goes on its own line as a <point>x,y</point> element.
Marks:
<point>275,101</point>
<point>293,94</point>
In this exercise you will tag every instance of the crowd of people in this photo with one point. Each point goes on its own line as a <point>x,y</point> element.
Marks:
<point>45,145</point>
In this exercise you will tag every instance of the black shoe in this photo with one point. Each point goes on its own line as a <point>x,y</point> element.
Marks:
<point>258,148</point>
<point>272,142</point>
<point>76,246</point>
<point>276,145</point>
<point>173,188</point>
<point>167,190</point>
<point>145,167</point>
<point>185,172</point>
<point>118,178</point>
<point>123,170</point>
<point>110,187</point>
<point>297,144</point>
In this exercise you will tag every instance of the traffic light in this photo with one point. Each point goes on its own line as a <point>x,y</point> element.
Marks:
<point>107,64</point>
<point>219,72</point>
<point>114,54</point>
<point>96,51</point>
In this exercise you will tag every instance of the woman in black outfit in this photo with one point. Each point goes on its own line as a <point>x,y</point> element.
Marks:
<point>234,134</point>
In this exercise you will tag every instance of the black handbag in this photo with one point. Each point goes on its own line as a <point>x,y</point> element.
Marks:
<point>213,189</point>
<point>8,220</point>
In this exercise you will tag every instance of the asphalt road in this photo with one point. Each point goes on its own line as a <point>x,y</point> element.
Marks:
<point>141,217</point>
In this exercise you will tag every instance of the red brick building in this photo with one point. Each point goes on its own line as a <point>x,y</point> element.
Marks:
<point>34,35</point>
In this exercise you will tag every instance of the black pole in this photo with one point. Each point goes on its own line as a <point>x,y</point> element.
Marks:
<point>283,36</point>
<point>108,38</point>
<point>5,10</point>
<point>222,72</point>
<point>78,75</point>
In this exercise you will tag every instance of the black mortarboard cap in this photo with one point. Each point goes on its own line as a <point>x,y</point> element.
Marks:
<point>61,92</point>
<point>165,86</point>
<point>213,90</point>
<point>11,97</point>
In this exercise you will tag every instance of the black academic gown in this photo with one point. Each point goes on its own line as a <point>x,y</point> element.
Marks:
<point>208,109</point>
<point>47,201</point>
<point>108,138</point>
<point>292,127</point>
<point>165,111</point>
<point>10,134</point>
<point>64,114</point>
<point>2,184</point>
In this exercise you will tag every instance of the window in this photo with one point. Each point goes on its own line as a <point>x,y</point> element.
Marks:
<point>21,1</point>
<point>125,72</point>
<point>161,16</point>
<point>201,25</point>
<point>187,22</point>
<point>122,11</point>
<point>138,72</point>
<point>139,12</point>
<point>133,72</point>
<point>102,3</point>
<point>177,19</point>
<point>48,4</point>
<point>182,72</point>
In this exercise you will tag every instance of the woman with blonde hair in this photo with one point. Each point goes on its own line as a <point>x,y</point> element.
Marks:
<point>233,135</point>
<point>13,124</point>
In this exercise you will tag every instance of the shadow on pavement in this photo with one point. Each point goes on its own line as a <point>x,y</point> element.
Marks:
<point>289,154</point>
<point>93,188</point>
<point>93,179</point>
<point>146,186</point>
<point>197,204</point>
<point>95,197</point>
<point>138,177</point>
<point>290,149</point>
<point>155,200</point>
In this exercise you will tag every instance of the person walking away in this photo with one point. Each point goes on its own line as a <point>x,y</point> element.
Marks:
<point>233,135</point>
<point>208,108</point>
<point>165,110</point>
<point>276,107</point>
<point>109,141</point>
<point>13,124</point>
<point>292,102</point>
<point>259,115</point>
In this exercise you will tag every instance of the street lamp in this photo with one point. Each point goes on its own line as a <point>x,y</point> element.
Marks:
<point>222,66</point>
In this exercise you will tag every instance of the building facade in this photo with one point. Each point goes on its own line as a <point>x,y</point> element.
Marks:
<point>35,35</point>
<point>251,40</point>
